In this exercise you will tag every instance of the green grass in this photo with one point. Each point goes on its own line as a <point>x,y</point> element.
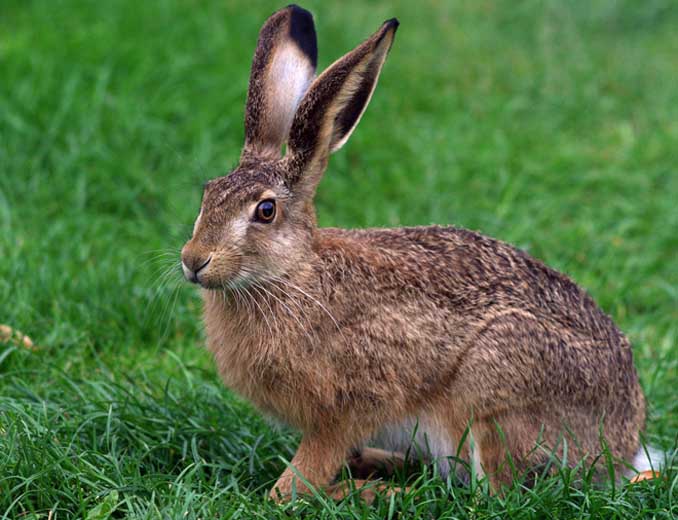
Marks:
<point>552,125</point>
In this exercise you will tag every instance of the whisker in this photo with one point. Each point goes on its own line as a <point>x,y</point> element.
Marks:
<point>289,310</point>
<point>245,299</point>
<point>263,314</point>
<point>256,287</point>
<point>171,305</point>
<point>313,299</point>
<point>228,288</point>
<point>162,281</point>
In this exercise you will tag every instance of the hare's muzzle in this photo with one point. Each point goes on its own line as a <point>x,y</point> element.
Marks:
<point>194,264</point>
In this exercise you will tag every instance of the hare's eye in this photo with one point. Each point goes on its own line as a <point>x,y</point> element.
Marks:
<point>265,211</point>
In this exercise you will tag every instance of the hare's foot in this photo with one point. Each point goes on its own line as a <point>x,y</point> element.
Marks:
<point>373,461</point>
<point>645,475</point>
<point>317,461</point>
<point>368,489</point>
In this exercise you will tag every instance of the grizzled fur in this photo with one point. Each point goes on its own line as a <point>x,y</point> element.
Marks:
<point>357,335</point>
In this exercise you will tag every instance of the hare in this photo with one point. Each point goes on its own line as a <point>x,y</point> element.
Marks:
<point>437,337</point>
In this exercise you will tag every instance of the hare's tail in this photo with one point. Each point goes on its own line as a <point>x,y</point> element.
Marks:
<point>646,463</point>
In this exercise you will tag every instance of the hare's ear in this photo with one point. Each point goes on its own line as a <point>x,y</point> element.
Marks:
<point>282,70</point>
<point>334,104</point>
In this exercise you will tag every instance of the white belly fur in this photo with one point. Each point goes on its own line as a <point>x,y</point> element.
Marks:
<point>423,439</point>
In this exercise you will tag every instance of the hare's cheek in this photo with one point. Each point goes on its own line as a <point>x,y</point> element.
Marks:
<point>197,222</point>
<point>281,252</point>
<point>237,231</point>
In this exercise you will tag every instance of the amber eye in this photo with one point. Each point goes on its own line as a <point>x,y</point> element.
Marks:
<point>265,211</point>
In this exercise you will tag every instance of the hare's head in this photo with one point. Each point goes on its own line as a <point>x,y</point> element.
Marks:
<point>259,220</point>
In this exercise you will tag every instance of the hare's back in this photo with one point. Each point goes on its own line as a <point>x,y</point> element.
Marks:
<point>461,269</point>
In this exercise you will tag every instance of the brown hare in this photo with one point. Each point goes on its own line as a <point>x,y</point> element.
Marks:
<point>390,338</point>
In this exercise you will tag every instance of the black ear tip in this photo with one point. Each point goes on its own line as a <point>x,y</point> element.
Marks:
<point>302,31</point>
<point>388,27</point>
<point>301,17</point>
<point>299,12</point>
<point>393,23</point>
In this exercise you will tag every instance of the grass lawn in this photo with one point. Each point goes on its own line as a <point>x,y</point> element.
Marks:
<point>552,125</point>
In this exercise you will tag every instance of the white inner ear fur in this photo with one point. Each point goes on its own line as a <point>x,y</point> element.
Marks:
<point>289,76</point>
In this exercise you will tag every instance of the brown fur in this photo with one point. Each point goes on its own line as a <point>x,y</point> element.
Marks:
<point>341,332</point>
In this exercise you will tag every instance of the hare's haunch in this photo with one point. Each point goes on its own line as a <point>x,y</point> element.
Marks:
<point>389,337</point>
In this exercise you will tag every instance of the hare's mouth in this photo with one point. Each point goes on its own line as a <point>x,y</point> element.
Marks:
<point>217,271</point>
<point>193,274</point>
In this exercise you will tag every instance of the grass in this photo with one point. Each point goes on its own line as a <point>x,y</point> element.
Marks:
<point>551,125</point>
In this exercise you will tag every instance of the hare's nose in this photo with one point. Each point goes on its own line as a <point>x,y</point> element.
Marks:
<point>192,265</point>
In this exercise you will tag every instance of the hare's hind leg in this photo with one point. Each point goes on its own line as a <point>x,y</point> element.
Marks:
<point>506,448</point>
<point>530,383</point>
<point>524,443</point>
<point>369,462</point>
